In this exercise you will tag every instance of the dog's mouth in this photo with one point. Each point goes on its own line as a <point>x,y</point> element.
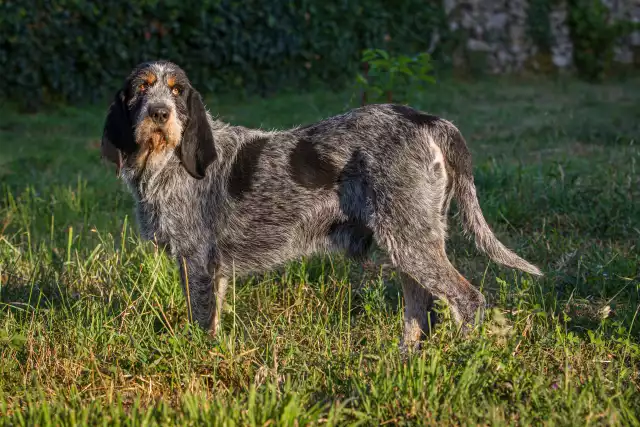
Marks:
<point>153,138</point>
<point>158,138</point>
<point>152,142</point>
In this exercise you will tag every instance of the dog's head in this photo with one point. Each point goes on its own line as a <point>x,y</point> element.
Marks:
<point>155,112</point>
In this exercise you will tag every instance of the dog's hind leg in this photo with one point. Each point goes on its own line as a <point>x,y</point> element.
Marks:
<point>435,274</point>
<point>419,317</point>
<point>428,273</point>
<point>410,223</point>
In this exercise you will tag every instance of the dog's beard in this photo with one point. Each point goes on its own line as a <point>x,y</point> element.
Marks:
<point>150,136</point>
<point>155,141</point>
<point>155,138</point>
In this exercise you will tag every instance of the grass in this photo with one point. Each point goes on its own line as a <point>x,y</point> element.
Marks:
<point>93,322</point>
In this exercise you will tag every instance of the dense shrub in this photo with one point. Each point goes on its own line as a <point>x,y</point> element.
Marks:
<point>594,36</point>
<point>78,49</point>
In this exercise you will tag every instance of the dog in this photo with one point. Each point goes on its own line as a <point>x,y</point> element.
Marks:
<point>227,200</point>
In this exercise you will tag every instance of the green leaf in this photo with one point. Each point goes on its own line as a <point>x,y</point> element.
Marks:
<point>383,53</point>
<point>362,80</point>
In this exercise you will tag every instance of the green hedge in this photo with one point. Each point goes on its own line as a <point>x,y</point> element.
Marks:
<point>72,50</point>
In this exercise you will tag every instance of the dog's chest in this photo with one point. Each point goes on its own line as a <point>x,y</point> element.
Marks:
<point>172,217</point>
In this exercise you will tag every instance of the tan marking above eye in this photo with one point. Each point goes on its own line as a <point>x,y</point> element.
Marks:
<point>150,78</point>
<point>171,81</point>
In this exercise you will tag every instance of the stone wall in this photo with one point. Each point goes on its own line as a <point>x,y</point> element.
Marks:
<point>498,31</point>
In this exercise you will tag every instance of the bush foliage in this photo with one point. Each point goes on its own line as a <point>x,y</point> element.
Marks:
<point>594,37</point>
<point>77,49</point>
<point>80,50</point>
<point>386,75</point>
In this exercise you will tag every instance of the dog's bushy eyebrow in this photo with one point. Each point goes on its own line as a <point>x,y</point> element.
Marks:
<point>174,77</point>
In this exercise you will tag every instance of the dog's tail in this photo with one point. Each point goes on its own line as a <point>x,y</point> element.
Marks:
<point>458,156</point>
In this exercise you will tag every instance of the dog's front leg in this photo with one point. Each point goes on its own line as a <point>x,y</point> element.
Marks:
<point>220,290</point>
<point>203,301</point>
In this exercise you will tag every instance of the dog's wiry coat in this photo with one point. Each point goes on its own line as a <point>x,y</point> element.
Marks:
<point>228,199</point>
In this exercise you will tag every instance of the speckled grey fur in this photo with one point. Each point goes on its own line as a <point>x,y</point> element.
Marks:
<point>234,199</point>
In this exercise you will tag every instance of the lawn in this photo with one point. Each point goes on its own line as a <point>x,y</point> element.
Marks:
<point>93,322</point>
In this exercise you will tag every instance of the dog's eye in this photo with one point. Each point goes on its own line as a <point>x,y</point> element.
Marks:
<point>143,87</point>
<point>175,91</point>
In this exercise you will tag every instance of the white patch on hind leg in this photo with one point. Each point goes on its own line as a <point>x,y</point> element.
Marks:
<point>437,156</point>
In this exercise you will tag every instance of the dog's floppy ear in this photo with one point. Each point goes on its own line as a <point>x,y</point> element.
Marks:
<point>196,150</point>
<point>117,135</point>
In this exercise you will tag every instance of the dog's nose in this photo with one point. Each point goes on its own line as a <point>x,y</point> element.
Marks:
<point>159,113</point>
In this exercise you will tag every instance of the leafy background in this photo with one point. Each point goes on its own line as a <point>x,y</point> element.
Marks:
<point>72,50</point>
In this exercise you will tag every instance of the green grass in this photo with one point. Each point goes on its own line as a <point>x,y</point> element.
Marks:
<point>93,323</point>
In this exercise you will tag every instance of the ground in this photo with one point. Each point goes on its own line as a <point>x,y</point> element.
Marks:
<point>93,323</point>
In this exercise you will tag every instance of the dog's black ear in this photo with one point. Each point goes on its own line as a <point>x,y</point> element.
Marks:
<point>196,150</point>
<point>117,135</point>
